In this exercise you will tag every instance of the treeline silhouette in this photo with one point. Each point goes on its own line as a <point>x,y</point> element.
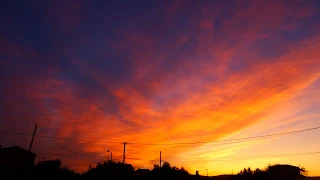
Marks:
<point>48,169</point>
<point>273,172</point>
<point>52,170</point>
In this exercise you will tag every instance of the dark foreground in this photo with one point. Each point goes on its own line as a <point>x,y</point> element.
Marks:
<point>52,170</point>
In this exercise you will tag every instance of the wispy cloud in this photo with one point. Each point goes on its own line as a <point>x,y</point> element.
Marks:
<point>195,74</point>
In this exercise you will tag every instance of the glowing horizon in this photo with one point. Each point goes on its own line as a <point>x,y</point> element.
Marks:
<point>159,73</point>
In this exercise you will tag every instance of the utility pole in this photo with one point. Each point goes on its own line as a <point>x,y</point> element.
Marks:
<point>207,172</point>
<point>111,157</point>
<point>160,158</point>
<point>124,152</point>
<point>34,132</point>
<point>66,162</point>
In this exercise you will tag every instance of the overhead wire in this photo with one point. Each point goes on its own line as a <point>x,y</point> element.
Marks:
<point>75,154</point>
<point>176,143</point>
<point>55,142</point>
<point>252,157</point>
<point>237,139</point>
<point>60,138</point>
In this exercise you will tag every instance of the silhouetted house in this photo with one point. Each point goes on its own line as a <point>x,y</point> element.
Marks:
<point>142,170</point>
<point>142,174</point>
<point>285,172</point>
<point>128,168</point>
<point>16,157</point>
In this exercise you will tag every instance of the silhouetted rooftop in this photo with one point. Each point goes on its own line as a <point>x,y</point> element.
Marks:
<point>15,148</point>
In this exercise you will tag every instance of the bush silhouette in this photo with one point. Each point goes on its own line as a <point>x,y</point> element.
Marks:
<point>109,170</point>
<point>168,172</point>
<point>275,172</point>
<point>52,170</point>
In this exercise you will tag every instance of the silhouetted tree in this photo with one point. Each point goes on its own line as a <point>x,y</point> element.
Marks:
<point>168,172</point>
<point>48,169</point>
<point>109,170</point>
<point>272,173</point>
<point>52,169</point>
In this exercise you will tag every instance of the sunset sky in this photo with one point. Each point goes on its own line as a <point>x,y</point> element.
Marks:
<point>181,77</point>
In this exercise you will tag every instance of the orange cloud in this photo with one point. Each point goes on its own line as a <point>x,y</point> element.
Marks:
<point>203,82</point>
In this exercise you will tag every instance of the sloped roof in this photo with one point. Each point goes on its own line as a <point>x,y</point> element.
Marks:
<point>143,170</point>
<point>8,149</point>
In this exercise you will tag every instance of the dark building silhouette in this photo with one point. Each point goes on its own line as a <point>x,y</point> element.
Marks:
<point>142,174</point>
<point>142,170</point>
<point>128,168</point>
<point>16,157</point>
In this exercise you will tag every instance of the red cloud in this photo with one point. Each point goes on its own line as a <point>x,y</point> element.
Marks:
<point>190,88</point>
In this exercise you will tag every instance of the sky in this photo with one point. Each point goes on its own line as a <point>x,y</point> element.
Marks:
<point>183,77</point>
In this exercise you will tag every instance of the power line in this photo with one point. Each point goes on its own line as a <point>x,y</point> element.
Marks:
<point>272,156</point>
<point>254,157</point>
<point>55,142</point>
<point>232,158</point>
<point>17,133</point>
<point>249,157</point>
<point>177,143</point>
<point>228,159</point>
<point>59,138</point>
<point>238,139</point>
<point>79,154</point>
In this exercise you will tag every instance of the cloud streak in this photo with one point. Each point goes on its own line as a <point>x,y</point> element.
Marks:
<point>190,74</point>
